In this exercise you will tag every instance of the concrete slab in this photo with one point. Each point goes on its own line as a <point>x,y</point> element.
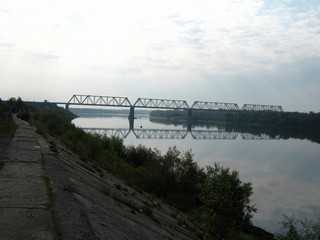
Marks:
<point>24,152</point>
<point>27,192</point>
<point>20,223</point>
<point>22,169</point>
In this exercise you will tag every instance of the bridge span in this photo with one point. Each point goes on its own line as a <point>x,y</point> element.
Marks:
<point>112,101</point>
<point>152,103</point>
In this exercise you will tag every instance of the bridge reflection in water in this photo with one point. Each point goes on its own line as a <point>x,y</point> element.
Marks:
<point>177,134</point>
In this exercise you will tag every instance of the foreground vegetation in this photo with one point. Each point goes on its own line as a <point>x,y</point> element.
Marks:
<point>174,176</point>
<point>7,127</point>
<point>299,229</point>
<point>215,199</point>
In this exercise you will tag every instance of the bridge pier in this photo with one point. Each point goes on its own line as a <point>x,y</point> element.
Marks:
<point>189,119</point>
<point>189,115</point>
<point>189,126</point>
<point>131,118</point>
<point>67,107</point>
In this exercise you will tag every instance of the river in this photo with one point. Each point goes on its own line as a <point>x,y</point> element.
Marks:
<point>284,172</point>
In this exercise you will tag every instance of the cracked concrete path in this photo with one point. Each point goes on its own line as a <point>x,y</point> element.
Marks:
<point>23,196</point>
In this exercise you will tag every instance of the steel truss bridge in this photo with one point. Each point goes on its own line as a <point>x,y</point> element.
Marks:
<point>151,103</point>
<point>177,134</point>
<point>109,101</point>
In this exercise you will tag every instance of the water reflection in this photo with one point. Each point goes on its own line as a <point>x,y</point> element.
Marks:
<point>178,134</point>
<point>109,132</point>
<point>284,173</point>
<point>253,132</point>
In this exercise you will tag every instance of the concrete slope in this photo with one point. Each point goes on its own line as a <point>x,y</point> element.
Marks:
<point>93,204</point>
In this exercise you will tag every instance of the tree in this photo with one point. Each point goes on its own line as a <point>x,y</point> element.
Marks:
<point>19,104</point>
<point>297,229</point>
<point>225,203</point>
<point>189,176</point>
<point>12,104</point>
<point>138,156</point>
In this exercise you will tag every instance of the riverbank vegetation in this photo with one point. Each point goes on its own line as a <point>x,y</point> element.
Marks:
<point>299,229</point>
<point>7,129</point>
<point>211,197</point>
<point>7,126</point>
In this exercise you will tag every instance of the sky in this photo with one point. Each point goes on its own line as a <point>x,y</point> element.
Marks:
<point>238,51</point>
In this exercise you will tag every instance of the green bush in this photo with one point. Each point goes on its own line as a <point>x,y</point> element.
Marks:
<point>226,206</point>
<point>297,229</point>
<point>7,127</point>
<point>24,116</point>
<point>1,164</point>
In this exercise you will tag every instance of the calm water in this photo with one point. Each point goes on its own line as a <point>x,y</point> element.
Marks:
<point>284,173</point>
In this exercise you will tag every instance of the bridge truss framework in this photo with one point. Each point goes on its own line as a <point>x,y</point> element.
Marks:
<point>112,101</point>
<point>99,101</point>
<point>161,103</point>
<point>200,105</point>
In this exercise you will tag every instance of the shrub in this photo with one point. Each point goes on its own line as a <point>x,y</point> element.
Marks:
<point>1,164</point>
<point>24,116</point>
<point>297,229</point>
<point>225,203</point>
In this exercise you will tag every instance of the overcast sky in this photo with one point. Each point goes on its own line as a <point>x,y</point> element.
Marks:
<point>243,51</point>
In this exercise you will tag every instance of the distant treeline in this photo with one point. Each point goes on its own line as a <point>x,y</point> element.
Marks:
<point>312,135</point>
<point>267,118</point>
<point>43,105</point>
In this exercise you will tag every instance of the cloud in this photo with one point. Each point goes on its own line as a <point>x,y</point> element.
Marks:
<point>6,45</point>
<point>36,57</point>
<point>237,45</point>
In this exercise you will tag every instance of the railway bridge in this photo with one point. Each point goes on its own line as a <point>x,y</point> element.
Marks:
<point>152,103</point>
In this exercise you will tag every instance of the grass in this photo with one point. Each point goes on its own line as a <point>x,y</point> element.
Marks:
<point>116,197</point>
<point>126,202</point>
<point>174,214</point>
<point>56,224</point>
<point>118,186</point>
<point>54,149</point>
<point>146,210</point>
<point>98,170</point>
<point>53,145</point>
<point>1,164</point>
<point>7,128</point>
<point>49,191</point>
<point>149,213</point>
<point>86,166</point>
